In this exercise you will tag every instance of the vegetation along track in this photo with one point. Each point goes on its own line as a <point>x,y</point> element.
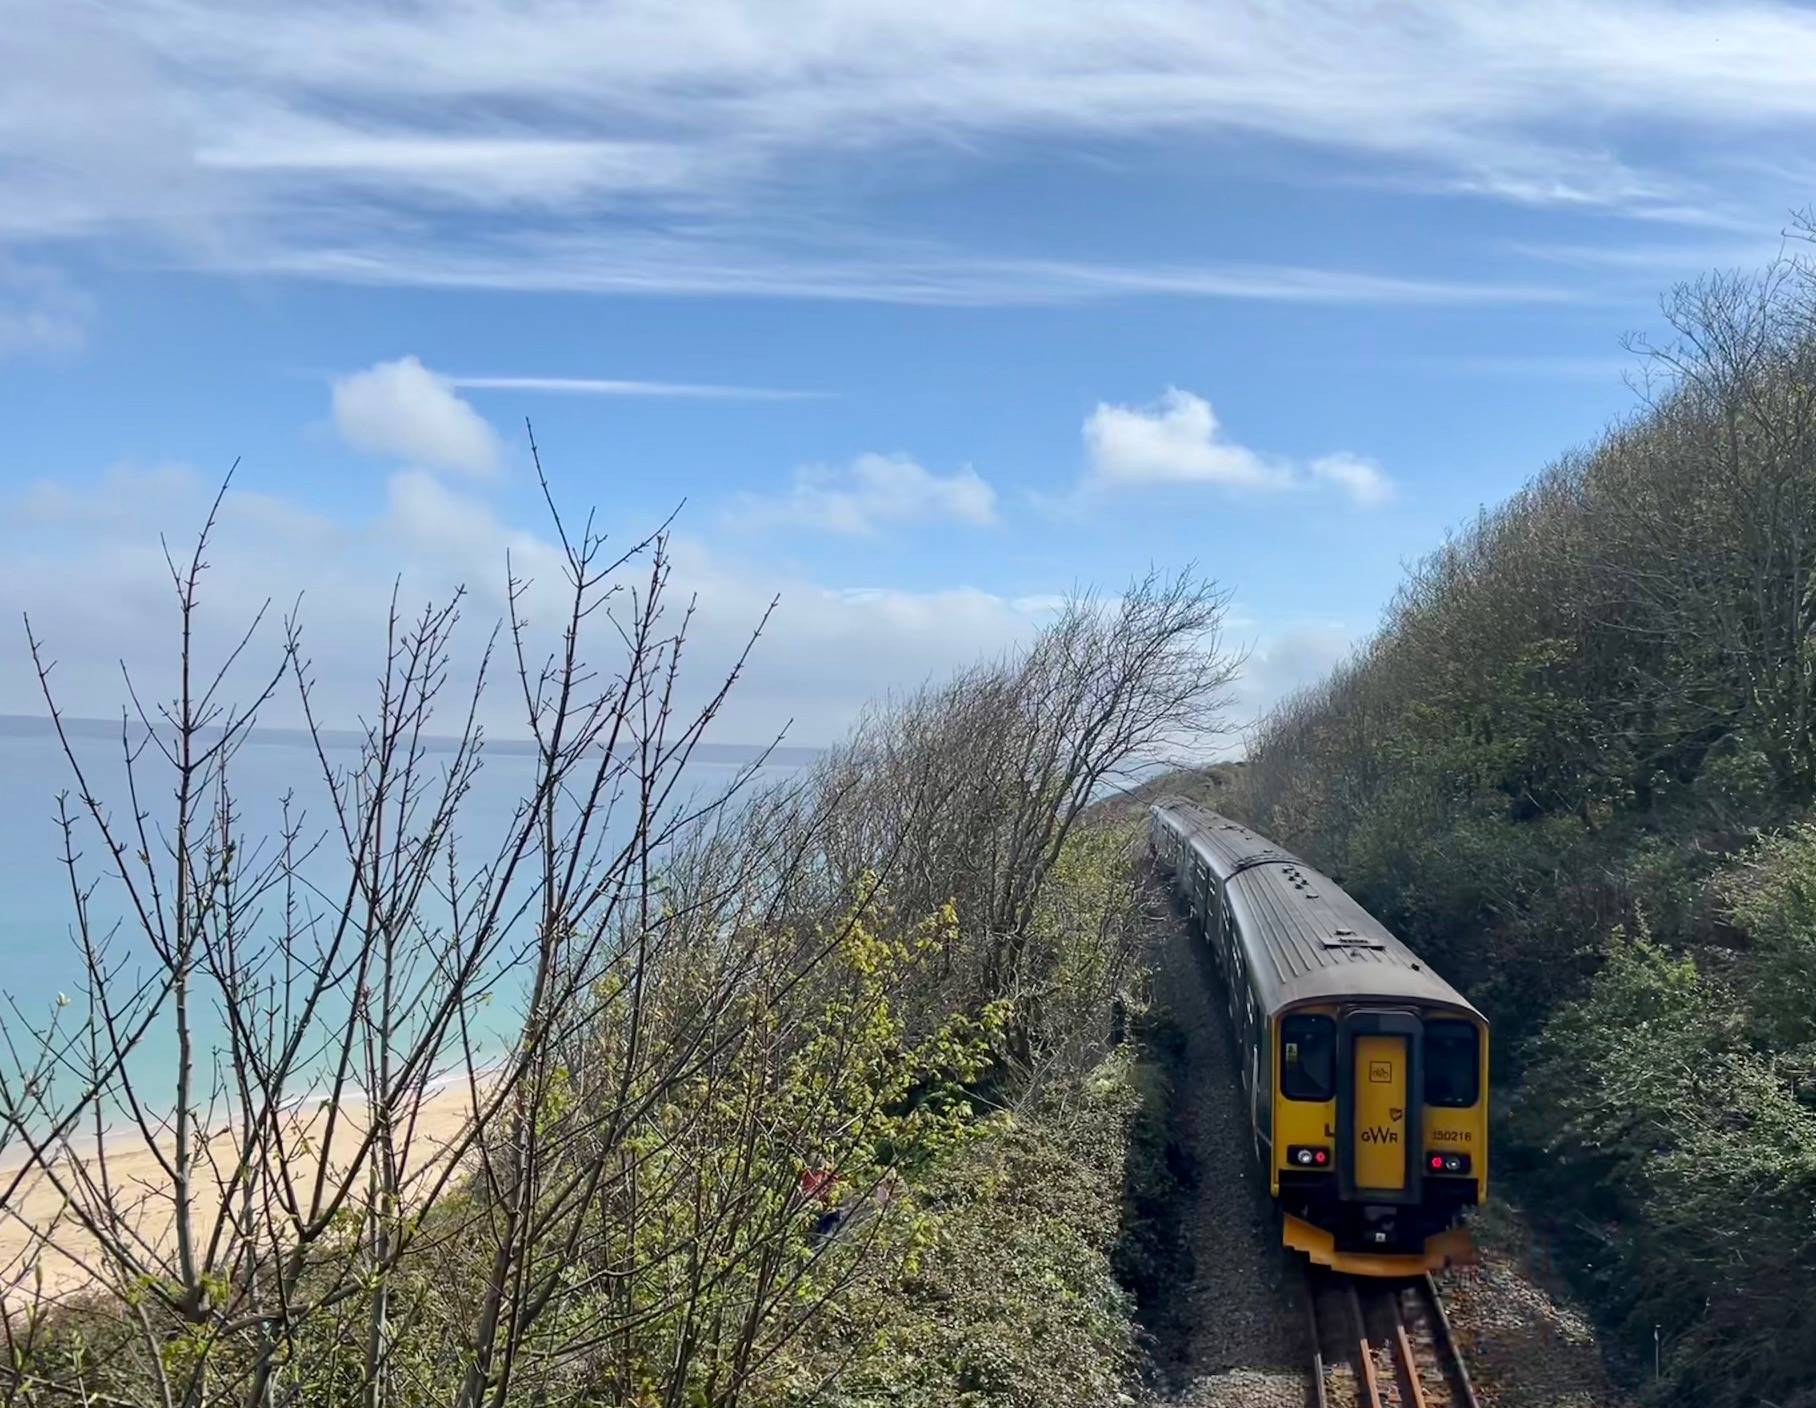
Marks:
<point>1378,1344</point>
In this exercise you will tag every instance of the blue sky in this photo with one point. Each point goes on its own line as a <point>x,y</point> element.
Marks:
<point>929,313</point>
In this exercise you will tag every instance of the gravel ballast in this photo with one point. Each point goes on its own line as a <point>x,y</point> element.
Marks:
<point>1226,1336</point>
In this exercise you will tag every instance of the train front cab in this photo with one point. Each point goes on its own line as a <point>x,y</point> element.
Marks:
<point>1370,1179</point>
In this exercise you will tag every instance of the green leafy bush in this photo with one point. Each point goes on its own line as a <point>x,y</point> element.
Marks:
<point>1701,1170</point>
<point>1771,893</point>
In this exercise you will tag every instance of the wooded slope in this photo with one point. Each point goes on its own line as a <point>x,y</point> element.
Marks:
<point>1575,767</point>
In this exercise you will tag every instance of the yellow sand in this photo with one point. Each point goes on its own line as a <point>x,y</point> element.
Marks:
<point>45,1249</point>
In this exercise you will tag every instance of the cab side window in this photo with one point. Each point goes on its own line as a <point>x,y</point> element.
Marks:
<point>1453,1074</point>
<point>1308,1057</point>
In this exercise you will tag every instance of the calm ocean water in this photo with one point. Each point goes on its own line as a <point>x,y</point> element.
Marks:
<point>37,958</point>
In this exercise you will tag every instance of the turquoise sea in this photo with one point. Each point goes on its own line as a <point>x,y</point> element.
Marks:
<point>37,958</point>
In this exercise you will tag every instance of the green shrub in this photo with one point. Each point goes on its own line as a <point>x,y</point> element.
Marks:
<point>1003,1296</point>
<point>1771,893</point>
<point>1697,1167</point>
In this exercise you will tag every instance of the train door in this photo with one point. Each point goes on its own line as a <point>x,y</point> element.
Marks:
<point>1380,1103</point>
<point>1379,1108</point>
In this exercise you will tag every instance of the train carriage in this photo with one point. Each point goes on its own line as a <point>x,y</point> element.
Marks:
<point>1366,1073</point>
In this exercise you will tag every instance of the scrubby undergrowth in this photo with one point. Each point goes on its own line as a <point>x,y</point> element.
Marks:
<point>1005,1292</point>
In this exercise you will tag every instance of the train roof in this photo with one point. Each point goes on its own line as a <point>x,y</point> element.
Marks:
<point>1228,846</point>
<point>1306,938</point>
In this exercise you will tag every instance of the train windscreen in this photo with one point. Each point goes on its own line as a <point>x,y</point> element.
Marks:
<point>1452,1064</point>
<point>1308,1057</point>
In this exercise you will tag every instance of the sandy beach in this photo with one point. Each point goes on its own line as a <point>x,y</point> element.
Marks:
<point>46,1251</point>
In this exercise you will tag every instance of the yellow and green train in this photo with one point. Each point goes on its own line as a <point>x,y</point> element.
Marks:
<point>1366,1073</point>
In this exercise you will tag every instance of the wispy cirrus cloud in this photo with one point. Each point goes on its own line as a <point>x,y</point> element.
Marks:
<point>617,386</point>
<point>856,271</point>
<point>462,145</point>
<point>1489,93</point>
<point>1655,260</point>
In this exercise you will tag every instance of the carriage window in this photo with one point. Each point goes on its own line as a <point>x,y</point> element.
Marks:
<point>1308,1057</point>
<point>1452,1064</point>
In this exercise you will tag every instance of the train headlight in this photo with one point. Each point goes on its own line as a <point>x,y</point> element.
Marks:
<point>1312,1156</point>
<point>1447,1163</point>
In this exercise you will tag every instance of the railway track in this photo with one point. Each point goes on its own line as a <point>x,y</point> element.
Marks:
<point>1382,1344</point>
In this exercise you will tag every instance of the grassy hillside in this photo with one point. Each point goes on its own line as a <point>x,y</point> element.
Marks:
<point>1576,767</point>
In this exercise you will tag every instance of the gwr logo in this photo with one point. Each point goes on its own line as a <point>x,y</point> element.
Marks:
<point>1380,1134</point>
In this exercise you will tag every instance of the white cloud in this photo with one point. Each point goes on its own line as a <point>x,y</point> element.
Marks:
<point>1173,441</point>
<point>1355,475</point>
<point>1178,440</point>
<point>426,515</point>
<point>125,494</point>
<point>40,313</point>
<point>360,141</point>
<point>405,411</point>
<point>466,170</point>
<point>1659,261</point>
<point>754,265</point>
<point>603,386</point>
<point>871,492</point>
<point>1289,658</point>
<point>828,650</point>
<point>98,133</point>
<point>1487,93</point>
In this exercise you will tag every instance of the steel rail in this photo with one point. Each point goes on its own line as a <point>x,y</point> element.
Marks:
<point>1447,1340</point>
<point>1371,1387</point>
<point>1319,1397</point>
<point>1414,1386</point>
<point>1399,1384</point>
